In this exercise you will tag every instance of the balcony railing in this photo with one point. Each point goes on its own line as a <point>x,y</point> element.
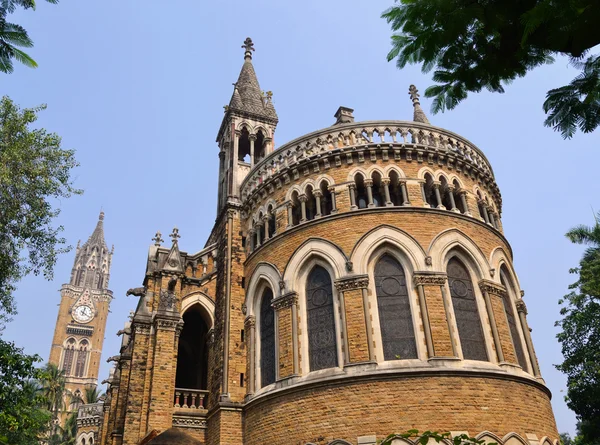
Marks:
<point>190,398</point>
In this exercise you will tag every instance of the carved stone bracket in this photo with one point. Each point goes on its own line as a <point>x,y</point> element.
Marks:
<point>492,288</point>
<point>286,300</point>
<point>137,291</point>
<point>352,282</point>
<point>168,324</point>
<point>521,306</point>
<point>250,321</point>
<point>428,278</point>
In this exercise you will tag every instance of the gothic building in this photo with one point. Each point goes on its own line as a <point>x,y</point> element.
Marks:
<point>79,332</point>
<point>356,283</point>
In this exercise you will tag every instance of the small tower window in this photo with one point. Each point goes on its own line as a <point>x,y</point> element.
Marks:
<point>378,192</point>
<point>395,190</point>
<point>429,191</point>
<point>267,339</point>
<point>81,358</point>
<point>244,147</point>
<point>362,199</point>
<point>69,353</point>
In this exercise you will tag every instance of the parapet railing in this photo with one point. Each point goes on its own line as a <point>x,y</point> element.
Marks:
<point>190,398</point>
<point>357,135</point>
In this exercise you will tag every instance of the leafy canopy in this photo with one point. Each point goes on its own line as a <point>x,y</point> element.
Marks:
<point>580,335</point>
<point>34,171</point>
<point>485,44</point>
<point>13,36</point>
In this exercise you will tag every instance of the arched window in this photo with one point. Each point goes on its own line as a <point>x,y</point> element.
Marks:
<point>397,331</point>
<point>296,209</point>
<point>322,345</point>
<point>271,222</point>
<point>192,351</point>
<point>429,191</point>
<point>81,358</point>
<point>260,228</point>
<point>467,317</point>
<point>378,191</point>
<point>69,353</point>
<point>244,147</point>
<point>311,204</point>
<point>326,201</point>
<point>267,339</point>
<point>445,193</point>
<point>481,207</point>
<point>362,199</point>
<point>512,322</point>
<point>259,147</point>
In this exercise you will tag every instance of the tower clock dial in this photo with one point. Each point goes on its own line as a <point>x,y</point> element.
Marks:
<point>83,313</point>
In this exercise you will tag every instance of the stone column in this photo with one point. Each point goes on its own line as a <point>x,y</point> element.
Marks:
<point>257,230</point>
<point>290,214</point>
<point>356,320</point>
<point>522,310</point>
<point>234,162</point>
<point>491,217</point>
<point>386,189</point>
<point>331,189</point>
<point>486,218</point>
<point>404,192</point>
<point>287,342</point>
<point>352,188</point>
<point>252,139</point>
<point>463,199</point>
<point>318,195</point>
<point>451,197</point>
<point>438,197</point>
<point>369,186</point>
<point>266,224</point>
<point>250,327</point>
<point>433,302</point>
<point>303,199</point>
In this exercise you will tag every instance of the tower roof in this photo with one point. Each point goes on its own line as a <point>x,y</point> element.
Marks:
<point>97,236</point>
<point>419,115</point>
<point>247,96</point>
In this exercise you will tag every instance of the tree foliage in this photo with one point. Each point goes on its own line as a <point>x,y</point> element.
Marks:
<point>425,437</point>
<point>23,419</point>
<point>13,36</point>
<point>480,44</point>
<point>580,335</point>
<point>34,171</point>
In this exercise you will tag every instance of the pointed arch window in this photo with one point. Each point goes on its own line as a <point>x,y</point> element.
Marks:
<point>466,313</point>
<point>69,352</point>
<point>267,339</point>
<point>512,323</point>
<point>395,319</point>
<point>81,358</point>
<point>322,344</point>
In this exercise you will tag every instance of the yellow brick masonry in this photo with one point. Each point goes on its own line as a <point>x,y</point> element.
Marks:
<point>284,336</point>
<point>503,329</point>
<point>356,326</point>
<point>438,321</point>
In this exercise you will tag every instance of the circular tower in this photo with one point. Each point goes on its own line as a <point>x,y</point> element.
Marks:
<point>380,293</point>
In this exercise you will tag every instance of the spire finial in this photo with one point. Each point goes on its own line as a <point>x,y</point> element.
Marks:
<point>419,114</point>
<point>249,47</point>
<point>157,239</point>
<point>101,217</point>
<point>175,235</point>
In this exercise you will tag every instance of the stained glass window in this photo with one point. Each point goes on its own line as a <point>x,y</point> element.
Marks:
<point>322,345</point>
<point>397,331</point>
<point>267,339</point>
<point>467,317</point>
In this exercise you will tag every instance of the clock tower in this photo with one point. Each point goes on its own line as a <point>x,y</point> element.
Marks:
<point>82,313</point>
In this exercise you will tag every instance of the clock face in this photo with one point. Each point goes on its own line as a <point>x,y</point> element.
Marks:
<point>83,314</point>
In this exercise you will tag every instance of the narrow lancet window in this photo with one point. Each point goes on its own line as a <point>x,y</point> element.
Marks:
<point>267,339</point>
<point>322,345</point>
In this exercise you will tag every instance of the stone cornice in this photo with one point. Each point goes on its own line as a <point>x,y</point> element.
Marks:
<point>352,282</point>
<point>492,288</point>
<point>426,278</point>
<point>286,300</point>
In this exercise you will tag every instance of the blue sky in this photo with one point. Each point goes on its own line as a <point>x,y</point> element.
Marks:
<point>138,89</point>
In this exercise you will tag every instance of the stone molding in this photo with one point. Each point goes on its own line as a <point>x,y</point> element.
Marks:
<point>286,300</point>
<point>352,282</point>
<point>168,324</point>
<point>492,288</point>
<point>143,329</point>
<point>189,422</point>
<point>429,278</point>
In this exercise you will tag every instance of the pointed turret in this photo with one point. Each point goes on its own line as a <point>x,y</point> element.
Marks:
<point>91,268</point>
<point>419,114</point>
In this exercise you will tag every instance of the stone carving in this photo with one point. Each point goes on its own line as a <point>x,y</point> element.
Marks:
<point>114,358</point>
<point>492,288</point>
<point>167,296</point>
<point>250,321</point>
<point>157,239</point>
<point>352,282</point>
<point>428,260</point>
<point>137,292</point>
<point>168,324</point>
<point>349,266</point>
<point>429,279</point>
<point>141,328</point>
<point>189,422</point>
<point>285,301</point>
<point>521,306</point>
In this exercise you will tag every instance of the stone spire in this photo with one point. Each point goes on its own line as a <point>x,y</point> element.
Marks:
<point>91,267</point>
<point>247,97</point>
<point>419,114</point>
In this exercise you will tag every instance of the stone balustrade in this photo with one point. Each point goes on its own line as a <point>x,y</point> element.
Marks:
<point>89,414</point>
<point>190,398</point>
<point>421,141</point>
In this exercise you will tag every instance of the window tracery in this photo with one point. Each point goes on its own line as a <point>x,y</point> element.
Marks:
<point>322,343</point>
<point>267,338</point>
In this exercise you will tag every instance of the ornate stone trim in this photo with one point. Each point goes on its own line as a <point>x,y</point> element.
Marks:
<point>492,288</point>
<point>286,300</point>
<point>352,282</point>
<point>168,324</point>
<point>167,299</point>
<point>521,306</point>
<point>429,279</point>
<point>189,422</point>
<point>143,329</point>
<point>250,321</point>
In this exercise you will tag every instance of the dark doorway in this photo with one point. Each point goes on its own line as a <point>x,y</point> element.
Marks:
<point>192,355</point>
